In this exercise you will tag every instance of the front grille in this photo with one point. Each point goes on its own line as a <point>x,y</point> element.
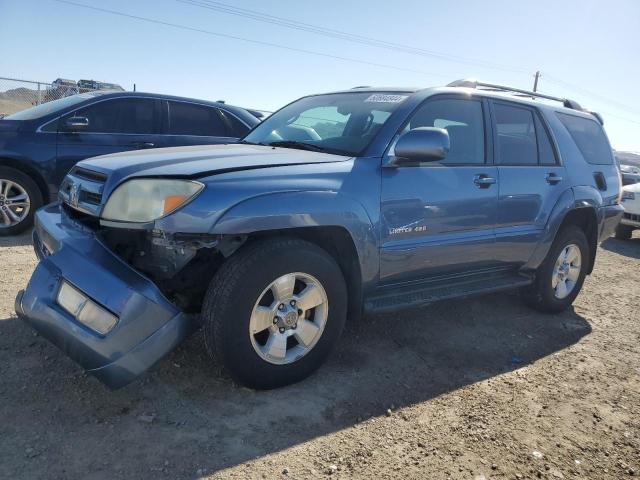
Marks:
<point>631,216</point>
<point>81,190</point>
<point>88,174</point>
<point>90,197</point>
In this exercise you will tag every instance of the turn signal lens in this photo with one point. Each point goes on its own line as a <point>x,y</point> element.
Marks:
<point>172,202</point>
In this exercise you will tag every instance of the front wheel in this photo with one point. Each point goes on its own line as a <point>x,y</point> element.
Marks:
<point>19,199</point>
<point>561,275</point>
<point>274,311</point>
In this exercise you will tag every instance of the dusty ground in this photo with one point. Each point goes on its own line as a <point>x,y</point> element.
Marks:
<point>475,389</point>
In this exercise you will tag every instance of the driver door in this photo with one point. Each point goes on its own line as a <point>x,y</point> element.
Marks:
<point>438,218</point>
<point>115,125</point>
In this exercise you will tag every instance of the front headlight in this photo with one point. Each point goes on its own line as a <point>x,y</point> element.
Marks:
<point>148,199</point>
<point>626,195</point>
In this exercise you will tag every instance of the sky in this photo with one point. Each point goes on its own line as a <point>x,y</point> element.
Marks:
<point>586,50</point>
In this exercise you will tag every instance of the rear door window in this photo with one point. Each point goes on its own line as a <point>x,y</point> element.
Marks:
<point>516,135</point>
<point>546,153</point>
<point>196,120</point>
<point>589,137</point>
<point>120,115</point>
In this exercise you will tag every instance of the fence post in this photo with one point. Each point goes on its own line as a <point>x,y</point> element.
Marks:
<point>38,101</point>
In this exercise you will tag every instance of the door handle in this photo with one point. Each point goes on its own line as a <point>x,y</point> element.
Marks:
<point>553,179</point>
<point>484,181</point>
<point>143,144</point>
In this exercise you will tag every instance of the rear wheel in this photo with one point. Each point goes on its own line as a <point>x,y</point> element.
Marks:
<point>20,197</point>
<point>561,275</point>
<point>623,232</point>
<point>274,311</point>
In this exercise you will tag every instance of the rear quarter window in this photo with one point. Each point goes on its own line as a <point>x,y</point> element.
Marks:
<point>589,138</point>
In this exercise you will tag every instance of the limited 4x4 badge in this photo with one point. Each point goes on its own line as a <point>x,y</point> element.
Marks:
<point>405,230</point>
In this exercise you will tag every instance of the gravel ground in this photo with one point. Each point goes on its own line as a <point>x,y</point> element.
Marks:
<point>472,389</point>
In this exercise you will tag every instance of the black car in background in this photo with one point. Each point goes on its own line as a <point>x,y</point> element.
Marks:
<point>38,146</point>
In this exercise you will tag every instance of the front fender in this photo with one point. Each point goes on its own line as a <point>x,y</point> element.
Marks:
<point>290,210</point>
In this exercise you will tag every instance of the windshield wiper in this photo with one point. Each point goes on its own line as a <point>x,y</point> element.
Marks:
<point>298,145</point>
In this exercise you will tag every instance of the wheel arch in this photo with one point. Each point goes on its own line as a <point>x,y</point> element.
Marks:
<point>338,224</point>
<point>570,209</point>
<point>585,218</point>
<point>33,173</point>
<point>337,242</point>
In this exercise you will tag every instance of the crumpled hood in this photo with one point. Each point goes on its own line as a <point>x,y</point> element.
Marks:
<point>199,161</point>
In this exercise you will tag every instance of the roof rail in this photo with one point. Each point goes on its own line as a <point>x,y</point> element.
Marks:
<point>470,83</point>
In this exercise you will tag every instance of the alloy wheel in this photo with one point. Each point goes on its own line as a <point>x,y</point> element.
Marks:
<point>566,271</point>
<point>288,319</point>
<point>14,203</point>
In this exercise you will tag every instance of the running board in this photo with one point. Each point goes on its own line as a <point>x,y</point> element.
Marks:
<point>405,296</point>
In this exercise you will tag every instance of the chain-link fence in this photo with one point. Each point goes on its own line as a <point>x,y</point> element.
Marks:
<point>16,94</point>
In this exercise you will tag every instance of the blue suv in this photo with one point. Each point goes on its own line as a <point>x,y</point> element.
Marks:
<point>338,204</point>
<point>39,146</point>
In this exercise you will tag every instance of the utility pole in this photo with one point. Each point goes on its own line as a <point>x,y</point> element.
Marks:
<point>535,81</point>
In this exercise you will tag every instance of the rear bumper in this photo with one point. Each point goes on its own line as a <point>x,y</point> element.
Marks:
<point>149,326</point>
<point>611,216</point>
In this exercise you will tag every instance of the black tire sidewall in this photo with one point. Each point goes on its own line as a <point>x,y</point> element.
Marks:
<point>35,197</point>
<point>624,232</point>
<point>544,295</point>
<point>230,317</point>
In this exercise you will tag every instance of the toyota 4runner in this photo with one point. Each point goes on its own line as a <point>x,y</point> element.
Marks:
<point>338,204</point>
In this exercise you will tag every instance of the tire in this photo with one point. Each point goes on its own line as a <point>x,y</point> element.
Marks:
<point>242,287</point>
<point>542,295</point>
<point>623,232</point>
<point>15,218</point>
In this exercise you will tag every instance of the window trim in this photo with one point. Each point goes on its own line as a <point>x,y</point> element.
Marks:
<point>536,114</point>
<point>488,159</point>
<point>220,112</point>
<point>163,120</point>
<point>57,119</point>
<point>559,112</point>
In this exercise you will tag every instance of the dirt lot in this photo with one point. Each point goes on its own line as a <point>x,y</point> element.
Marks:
<point>474,389</point>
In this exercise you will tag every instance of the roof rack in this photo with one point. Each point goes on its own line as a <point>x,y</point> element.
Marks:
<point>469,83</point>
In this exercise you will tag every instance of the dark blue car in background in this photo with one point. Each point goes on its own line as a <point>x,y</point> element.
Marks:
<point>39,146</point>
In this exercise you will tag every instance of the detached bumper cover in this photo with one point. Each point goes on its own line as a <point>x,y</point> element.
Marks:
<point>149,325</point>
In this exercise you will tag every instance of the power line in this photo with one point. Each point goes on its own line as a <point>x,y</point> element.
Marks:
<point>374,42</point>
<point>248,40</point>
<point>588,93</point>
<point>342,35</point>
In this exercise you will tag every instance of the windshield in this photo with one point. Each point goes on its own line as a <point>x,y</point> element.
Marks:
<point>340,123</point>
<point>50,107</point>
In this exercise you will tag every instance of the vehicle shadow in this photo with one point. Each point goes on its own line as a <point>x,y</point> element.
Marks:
<point>16,240</point>
<point>628,248</point>
<point>185,417</point>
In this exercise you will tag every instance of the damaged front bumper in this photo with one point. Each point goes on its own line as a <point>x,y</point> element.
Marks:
<point>148,326</point>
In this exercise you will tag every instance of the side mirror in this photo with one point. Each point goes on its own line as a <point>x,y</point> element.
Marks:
<point>76,123</point>
<point>423,144</point>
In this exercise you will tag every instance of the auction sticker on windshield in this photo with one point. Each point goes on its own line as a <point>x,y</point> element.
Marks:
<point>384,98</point>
